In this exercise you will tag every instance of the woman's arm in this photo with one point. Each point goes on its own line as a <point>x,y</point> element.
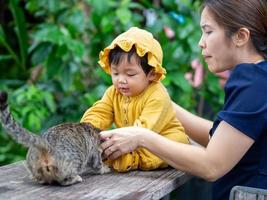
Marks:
<point>196,127</point>
<point>225,149</point>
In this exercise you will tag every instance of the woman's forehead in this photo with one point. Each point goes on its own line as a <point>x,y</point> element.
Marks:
<point>207,19</point>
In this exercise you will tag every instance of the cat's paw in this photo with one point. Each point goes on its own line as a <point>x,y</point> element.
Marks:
<point>72,180</point>
<point>39,180</point>
<point>105,169</point>
<point>77,179</point>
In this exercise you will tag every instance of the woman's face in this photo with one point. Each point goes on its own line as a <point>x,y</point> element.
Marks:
<point>217,49</point>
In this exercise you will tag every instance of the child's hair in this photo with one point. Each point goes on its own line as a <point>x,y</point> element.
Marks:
<point>233,15</point>
<point>117,53</point>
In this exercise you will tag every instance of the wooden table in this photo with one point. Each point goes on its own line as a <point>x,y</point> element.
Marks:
<point>16,185</point>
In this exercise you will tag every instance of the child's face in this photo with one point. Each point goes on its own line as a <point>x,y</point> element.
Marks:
<point>129,78</point>
<point>218,50</point>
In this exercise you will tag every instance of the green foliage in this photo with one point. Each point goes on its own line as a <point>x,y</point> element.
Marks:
<point>31,107</point>
<point>49,52</point>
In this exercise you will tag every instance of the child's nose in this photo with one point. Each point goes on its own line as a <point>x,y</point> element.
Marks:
<point>122,80</point>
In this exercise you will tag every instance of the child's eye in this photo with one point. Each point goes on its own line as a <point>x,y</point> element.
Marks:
<point>131,74</point>
<point>115,73</point>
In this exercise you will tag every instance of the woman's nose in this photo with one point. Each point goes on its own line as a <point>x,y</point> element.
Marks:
<point>201,43</point>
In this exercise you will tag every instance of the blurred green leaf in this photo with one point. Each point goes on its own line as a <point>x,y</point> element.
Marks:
<point>77,48</point>
<point>98,7</point>
<point>5,57</point>
<point>187,30</point>
<point>124,15</point>
<point>179,80</point>
<point>20,30</point>
<point>49,100</point>
<point>2,34</point>
<point>53,5</point>
<point>49,33</point>
<point>106,25</point>
<point>53,66</point>
<point>76,21</point>
<point>66,78</point>
<point>32,5</point>
<point>7,46</point>
<point>41,52</point>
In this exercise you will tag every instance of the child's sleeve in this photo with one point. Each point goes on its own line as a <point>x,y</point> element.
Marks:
<point>101,114</point>
<point>124,163</point>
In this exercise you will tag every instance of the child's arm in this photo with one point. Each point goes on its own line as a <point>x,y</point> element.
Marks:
<point>101,113</point>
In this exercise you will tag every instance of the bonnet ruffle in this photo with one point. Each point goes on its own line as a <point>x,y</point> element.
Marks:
<point>144,43</point>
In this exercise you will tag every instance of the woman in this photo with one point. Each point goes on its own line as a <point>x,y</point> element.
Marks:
<point>234,37</point>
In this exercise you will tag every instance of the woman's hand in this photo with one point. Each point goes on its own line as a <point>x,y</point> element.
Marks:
<point>121,141</point>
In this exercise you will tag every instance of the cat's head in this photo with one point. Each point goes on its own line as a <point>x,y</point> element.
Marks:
<point>52,169</point>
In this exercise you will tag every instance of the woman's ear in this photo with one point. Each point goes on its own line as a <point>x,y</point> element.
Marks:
<point>241,37</point>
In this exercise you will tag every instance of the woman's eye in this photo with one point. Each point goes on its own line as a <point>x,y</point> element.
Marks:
<point>208,32</point>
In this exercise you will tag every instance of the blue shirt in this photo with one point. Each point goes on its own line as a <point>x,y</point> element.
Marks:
<point>245,109</point>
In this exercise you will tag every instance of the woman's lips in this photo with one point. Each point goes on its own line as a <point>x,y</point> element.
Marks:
<point>206,57</point>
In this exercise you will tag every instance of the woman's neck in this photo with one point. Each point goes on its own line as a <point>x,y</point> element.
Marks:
<point>248,54</point>
<point>252,58</point>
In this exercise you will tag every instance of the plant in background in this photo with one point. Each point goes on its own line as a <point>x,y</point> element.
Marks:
<point>195,77</point>
<point>31,107</point>
<point>49,52</point>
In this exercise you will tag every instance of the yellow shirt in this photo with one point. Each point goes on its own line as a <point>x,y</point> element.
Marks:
<point>151,109</point>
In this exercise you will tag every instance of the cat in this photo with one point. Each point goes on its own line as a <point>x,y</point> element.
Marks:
<point>61,154</point>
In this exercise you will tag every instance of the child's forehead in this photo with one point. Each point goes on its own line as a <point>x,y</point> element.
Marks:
<point>127,64</point>
<point>128,59</point>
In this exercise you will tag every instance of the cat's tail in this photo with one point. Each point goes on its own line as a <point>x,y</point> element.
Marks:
<point>15,130</point>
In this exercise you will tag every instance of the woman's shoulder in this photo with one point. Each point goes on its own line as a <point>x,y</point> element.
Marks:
<point>249,69</point>
<point>247,83</point>
<point>245,106</point>
<point>246,74</point>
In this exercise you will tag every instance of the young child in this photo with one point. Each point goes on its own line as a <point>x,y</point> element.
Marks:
<point>136,98</point>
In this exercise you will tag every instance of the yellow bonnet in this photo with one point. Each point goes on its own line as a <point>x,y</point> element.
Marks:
<point>144,43</point>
